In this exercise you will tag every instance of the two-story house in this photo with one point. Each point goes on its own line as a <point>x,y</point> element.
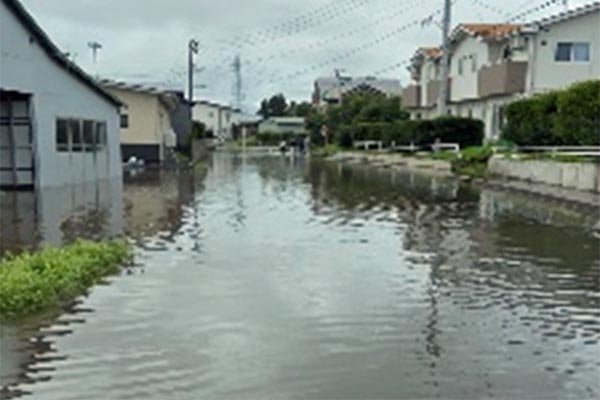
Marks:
<point>146,129</point>
<point>491,65</point>
<point>421,97</point>
<point>217,118</point>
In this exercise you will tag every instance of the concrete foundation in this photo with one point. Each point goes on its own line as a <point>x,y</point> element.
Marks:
<point>580,176</point>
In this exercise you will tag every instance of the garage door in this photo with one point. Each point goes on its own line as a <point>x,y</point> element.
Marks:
<point>16,142</point>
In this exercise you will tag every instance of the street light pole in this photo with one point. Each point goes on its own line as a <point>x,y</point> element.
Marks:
<point>192,49</point>
<point>444,84</point>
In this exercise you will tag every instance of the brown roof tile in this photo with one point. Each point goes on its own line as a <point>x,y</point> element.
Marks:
<point>490,30</point>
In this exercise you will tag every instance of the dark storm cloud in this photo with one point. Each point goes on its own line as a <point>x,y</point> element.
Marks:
<point>145,40</point>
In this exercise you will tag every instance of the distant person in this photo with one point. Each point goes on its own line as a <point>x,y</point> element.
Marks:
<point>283,146</point>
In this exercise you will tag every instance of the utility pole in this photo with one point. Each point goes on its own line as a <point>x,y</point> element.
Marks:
<point>192,49</point>
<point>442,105</point>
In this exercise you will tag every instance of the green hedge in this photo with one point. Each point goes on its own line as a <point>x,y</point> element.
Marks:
<point>274,139</point>
<point>565,117</point>
<point>464,131</point>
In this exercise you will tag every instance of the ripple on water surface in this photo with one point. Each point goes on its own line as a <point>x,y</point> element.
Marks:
<point>276,278</point>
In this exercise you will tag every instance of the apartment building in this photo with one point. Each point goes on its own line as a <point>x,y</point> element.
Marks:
<point>491,65</point>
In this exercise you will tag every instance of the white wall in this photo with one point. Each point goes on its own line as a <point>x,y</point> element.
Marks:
<point>464,87</point>
<point>25,67</point>
<point>208,115</point>
<point>219,119</point>
<point>547,74</point>
<point>429,72</point>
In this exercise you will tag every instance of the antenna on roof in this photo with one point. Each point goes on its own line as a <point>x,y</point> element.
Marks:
<point>95,47</point>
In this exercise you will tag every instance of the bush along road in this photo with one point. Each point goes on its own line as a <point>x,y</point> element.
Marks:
<point>32,283</point>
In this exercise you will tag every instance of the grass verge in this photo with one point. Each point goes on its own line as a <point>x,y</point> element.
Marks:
<point>31,283</point>
<point>325,151</point>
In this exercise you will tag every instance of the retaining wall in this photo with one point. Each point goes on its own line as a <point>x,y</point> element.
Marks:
<point>580,176</point>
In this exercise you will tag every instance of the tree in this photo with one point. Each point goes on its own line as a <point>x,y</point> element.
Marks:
<point>276,106</point>
<point>302,109</point>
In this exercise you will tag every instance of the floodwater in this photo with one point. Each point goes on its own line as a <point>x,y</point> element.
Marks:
<point>273,278</point>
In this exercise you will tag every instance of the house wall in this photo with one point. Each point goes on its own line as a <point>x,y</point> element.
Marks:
<point>181,120</point>
<point>429,72</point>
<point>274,126</point>
<point>56,93</point>
<point>208,115</point>
<point>464,86</point>
<point>547,74</point>
<point>142,109</point>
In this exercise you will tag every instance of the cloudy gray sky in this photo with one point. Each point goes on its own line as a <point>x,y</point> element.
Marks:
<point>284,44</point>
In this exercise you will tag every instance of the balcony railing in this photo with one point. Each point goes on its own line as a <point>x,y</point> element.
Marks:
<point>433,92</point>
<point>504,78</point>
<point>411,96</point>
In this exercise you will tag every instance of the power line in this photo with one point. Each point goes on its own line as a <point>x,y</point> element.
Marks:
<point>364,46</point>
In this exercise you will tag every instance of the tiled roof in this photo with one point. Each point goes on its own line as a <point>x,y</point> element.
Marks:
<point>490,30</point>
<point>54,52</point>
<point>430,52</point>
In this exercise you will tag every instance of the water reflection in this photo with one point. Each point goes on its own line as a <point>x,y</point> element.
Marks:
<point>149,203</point>
<point>55,215</point>
<point>273,277</point>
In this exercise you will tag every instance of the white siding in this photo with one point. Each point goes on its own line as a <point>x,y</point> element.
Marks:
<point>25,67</point>
<point>547,74</point>
<point>464,86</point>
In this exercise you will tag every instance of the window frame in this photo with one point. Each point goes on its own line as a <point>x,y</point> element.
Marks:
<point>572,52</point>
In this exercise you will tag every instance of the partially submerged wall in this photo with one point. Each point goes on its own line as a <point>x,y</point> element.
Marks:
<point>573,175</point>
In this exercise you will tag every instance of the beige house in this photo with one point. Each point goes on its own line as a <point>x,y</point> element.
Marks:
<point>146,131</point>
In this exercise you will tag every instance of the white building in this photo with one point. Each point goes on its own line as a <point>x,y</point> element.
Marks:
<point>57,126</point>
<point>146,129</point>
<point>283,125</point>
<point>331,90</point>
<point>219,119</point>
<point>494,64</point>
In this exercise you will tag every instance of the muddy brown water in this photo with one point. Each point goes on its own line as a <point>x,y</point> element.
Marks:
<point>276,278</point>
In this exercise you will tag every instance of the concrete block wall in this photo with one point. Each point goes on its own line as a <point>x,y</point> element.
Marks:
<point>580,176</point>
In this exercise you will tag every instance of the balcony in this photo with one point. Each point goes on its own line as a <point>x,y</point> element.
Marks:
<point>433,92</point>
<point>502,79</point>
<point>411,96</point>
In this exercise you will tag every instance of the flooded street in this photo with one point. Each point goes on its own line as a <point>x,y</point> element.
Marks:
<point>266,277</point>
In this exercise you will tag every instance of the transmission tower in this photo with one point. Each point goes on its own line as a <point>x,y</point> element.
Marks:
<point>238,85</point>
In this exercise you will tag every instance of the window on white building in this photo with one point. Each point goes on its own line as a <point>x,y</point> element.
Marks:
<point>88,135</point>
<point>460,66</point>
<point>62,135</point>
<point>474,63</point>
<point>76,138</point>
<point>100,139</point>
<point>572,52</point>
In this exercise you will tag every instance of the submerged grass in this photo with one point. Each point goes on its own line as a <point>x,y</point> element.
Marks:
<point>31,283</point>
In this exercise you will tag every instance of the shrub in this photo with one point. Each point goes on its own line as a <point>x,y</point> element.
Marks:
<point>473,161</point>
<point>343,136</point>
<point>530,121</point>
<point>273,139</point>
<point>464,131</point>
<point>31,283</point>
<point>578,115</point>
<point>565,117</point>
